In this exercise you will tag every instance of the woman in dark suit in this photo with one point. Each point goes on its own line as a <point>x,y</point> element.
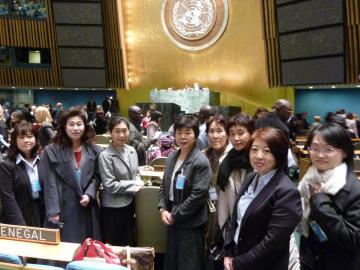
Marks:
<point>267,208</point>
<point>22,179</point>
<point>182,198</point>
<point>330,225</point>
<point>72,179</point>
<point>118,165</point>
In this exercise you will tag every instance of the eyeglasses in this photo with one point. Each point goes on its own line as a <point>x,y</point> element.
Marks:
<point>326,151</point>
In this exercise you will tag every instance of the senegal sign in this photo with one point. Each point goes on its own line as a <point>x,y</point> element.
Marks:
<point>31,234</point>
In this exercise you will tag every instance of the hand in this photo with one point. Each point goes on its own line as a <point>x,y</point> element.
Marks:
<point>166,217</point>
<point>85,199</point>
<point>54,219</point>
<point>139,183</point>
<point>228,263</point>
<point>313,189</point>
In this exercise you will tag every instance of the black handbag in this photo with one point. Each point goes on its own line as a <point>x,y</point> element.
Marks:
<point>215,257</point>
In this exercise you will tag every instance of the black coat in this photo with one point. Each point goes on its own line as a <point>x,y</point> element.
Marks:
<point>16,195</point>
<point>63,191</point>
<point>339,217</point>
<point>266,227</point>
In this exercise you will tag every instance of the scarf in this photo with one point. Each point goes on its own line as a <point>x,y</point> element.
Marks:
<point>329,182</point>
<point>234,160</point>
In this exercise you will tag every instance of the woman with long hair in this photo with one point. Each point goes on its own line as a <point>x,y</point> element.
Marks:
<point>45,130</point>
<point>72,179</point>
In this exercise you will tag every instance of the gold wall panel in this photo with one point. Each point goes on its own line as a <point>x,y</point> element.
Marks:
<point>234,65</point>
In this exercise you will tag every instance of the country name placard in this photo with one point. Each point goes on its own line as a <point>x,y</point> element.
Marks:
<point>29,234</point>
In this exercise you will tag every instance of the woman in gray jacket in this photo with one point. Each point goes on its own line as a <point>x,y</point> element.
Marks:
<point>182,198</point>
<point>118,165</point>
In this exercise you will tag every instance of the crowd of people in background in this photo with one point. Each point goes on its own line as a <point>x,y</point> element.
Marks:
<point>226,183</point>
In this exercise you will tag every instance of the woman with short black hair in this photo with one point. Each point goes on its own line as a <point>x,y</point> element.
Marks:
<point>267,208</point>
<point>118,165</point>
<point>182,198</point>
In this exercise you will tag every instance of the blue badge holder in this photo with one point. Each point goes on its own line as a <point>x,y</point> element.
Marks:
<point>180,182</point>
<point>318,231</point>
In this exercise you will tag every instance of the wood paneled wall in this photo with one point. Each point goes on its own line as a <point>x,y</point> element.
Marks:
<point>353,30</point>
<point>352,46</point>
<point>112,44</point>
<point>19,32</point>
<point>271,38</point>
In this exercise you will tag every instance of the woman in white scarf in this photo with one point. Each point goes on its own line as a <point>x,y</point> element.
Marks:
<point>330,193</point>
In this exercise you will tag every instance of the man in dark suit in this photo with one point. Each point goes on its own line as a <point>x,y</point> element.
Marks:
<point>278,118</point>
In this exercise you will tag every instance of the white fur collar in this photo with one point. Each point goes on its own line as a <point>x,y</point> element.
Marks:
<point>329,182</point>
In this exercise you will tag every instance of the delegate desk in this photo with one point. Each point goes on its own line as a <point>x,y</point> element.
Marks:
<point>150,230</point>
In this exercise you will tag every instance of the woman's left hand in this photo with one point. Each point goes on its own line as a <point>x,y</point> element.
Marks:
<point>313,189</point>
<point>85,199</point>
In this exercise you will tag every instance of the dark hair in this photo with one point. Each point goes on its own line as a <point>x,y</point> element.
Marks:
<point>243,120</point>
<point>116,121</point>
<point>20,116</point>
<point>62,138</point>
<point>187,121</point>
<point>219,119</point>
<point>155,116</point>
<point>21,129</point>
<point>259,110</point>
<point>277,142</point>
<point>336,136</point>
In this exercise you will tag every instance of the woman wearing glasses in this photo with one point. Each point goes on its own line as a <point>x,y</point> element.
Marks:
<point>330,193</point>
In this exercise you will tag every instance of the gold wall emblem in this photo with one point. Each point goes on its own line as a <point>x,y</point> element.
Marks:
<point>194,24</point>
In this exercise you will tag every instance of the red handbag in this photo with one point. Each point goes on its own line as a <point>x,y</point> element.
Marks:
<point>96,250</point>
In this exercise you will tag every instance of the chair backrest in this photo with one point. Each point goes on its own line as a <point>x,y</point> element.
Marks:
<point>9,258</point>
<point>93,265</point>
<point>357,146</point>
<point>101,139</point>
<point>356,164</point>
<point>158,161</point>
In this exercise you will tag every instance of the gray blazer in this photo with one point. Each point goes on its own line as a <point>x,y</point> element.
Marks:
<point>190,208</point>
<point>117,177</point>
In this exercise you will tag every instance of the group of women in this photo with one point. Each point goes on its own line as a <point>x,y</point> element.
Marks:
<point>254,198</point>
<point>242,176</point>
<point>59,187</point>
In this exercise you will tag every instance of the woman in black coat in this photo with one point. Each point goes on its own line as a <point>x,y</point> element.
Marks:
<point>330,225</point>
<point>22,179</point>
<point>72,179</point>
<point>267,208</point>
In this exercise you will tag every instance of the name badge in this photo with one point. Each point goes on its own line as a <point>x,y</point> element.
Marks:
<point>35,186</point>
<point>78,174</point>
<point>180,182</point>
<point>318,231</point>
<point>212,194</point>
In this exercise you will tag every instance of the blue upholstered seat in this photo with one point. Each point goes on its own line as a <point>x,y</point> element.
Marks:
<point>93,265</point>
<point>8,258</point>
<point>44,267</point>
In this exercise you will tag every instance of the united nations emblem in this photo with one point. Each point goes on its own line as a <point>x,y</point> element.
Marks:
<point>194,24</point>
